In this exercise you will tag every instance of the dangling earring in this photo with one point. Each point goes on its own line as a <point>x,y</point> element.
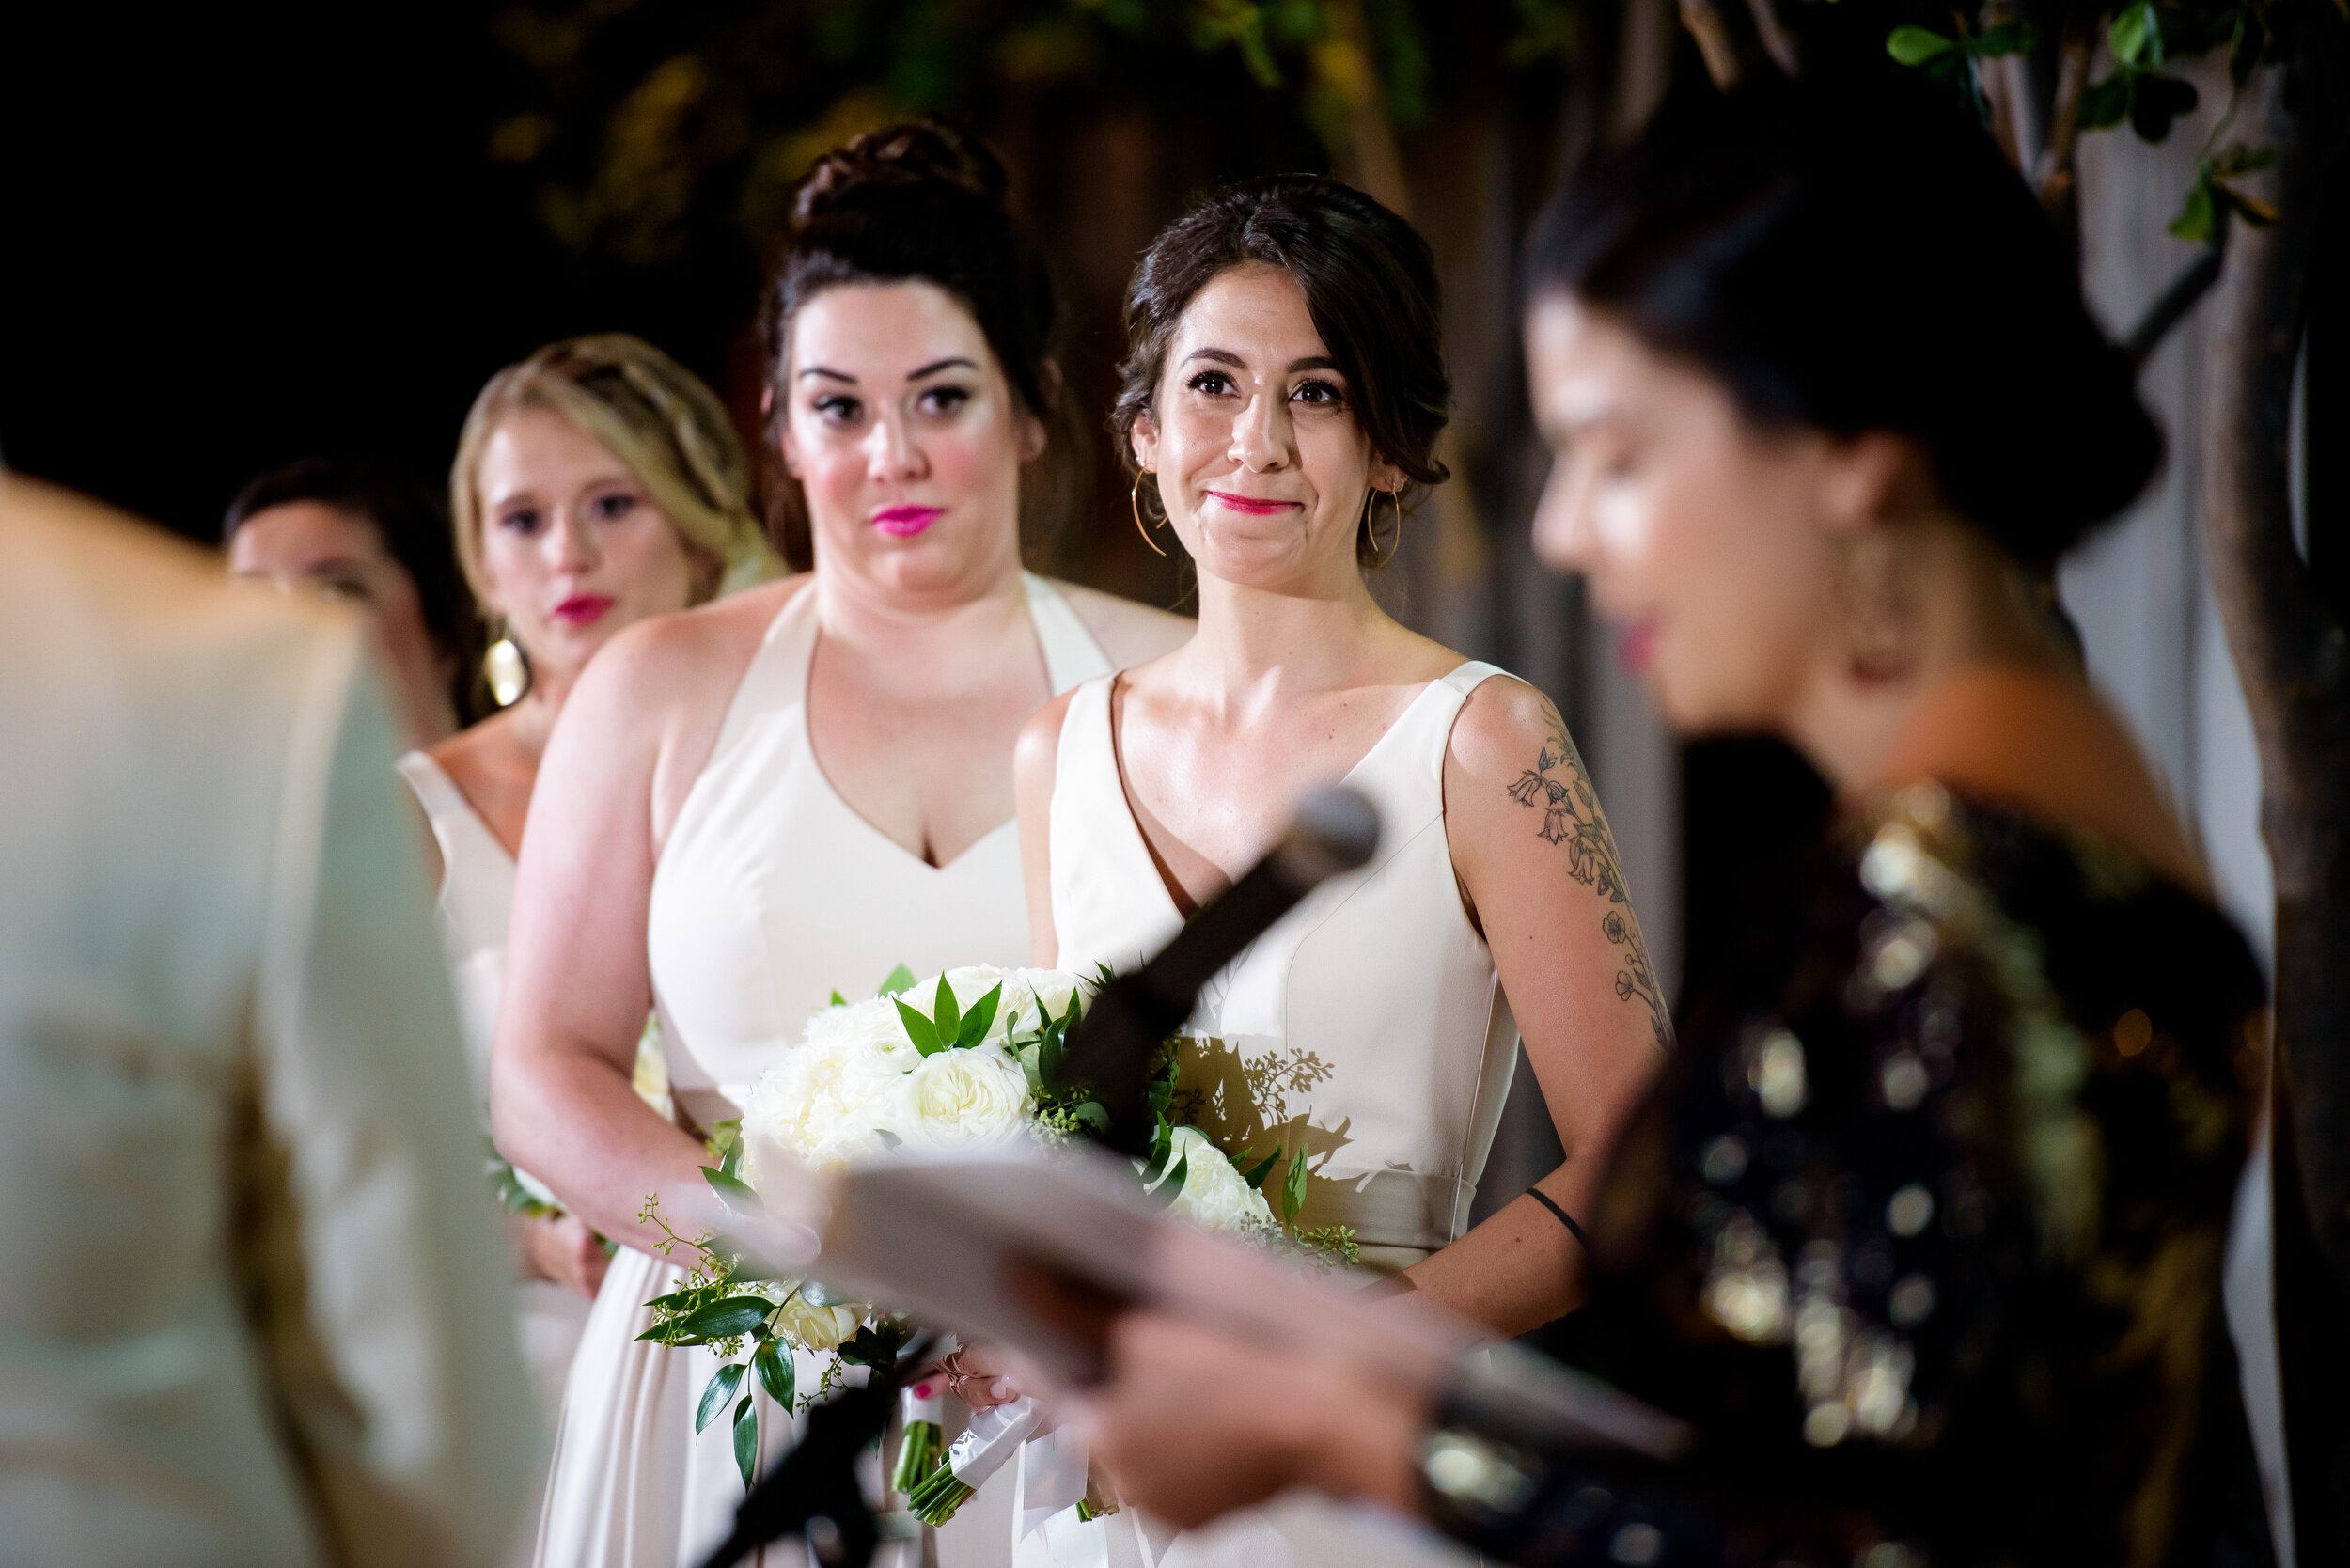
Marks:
<point>1370,526</point>
<point>1135,495</point>
<point>1880,629</point>
<point>506,668</point>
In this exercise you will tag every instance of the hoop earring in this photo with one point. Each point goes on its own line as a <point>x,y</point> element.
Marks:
<point>1372,527</point>
<point>1135,497</point>
<point>506,668</point>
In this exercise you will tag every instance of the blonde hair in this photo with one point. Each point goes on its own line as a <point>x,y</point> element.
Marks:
<point>656,416</point>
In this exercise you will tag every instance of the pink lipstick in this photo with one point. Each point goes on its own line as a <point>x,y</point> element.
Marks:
<point>583,609</point>
<point>1249,506</point>
<point>906,522</point>
<point>1636,644</point>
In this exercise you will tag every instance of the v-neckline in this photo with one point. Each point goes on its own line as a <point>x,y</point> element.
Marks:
<point>1175,896</point>
<point>831,791</point>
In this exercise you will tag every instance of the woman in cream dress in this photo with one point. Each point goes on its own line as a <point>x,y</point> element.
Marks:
<point>793,789</point>
<point>597,483</point>
<point>1285,384</point>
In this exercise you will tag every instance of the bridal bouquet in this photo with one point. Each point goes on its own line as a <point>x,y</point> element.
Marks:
<point>965,1060</point>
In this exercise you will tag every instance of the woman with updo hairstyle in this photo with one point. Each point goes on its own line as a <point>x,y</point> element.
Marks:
<point>1282,395</point>
<point>1924,1231</point>
<point>791,792</point>
<point>597,483</point>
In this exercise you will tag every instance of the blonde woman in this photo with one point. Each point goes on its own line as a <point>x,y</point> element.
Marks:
<point>597,483</point>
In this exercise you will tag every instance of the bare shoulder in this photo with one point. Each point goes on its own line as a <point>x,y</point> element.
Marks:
<point>1039,747</point>
<point>1129,633</point>
<point>1506,728</point>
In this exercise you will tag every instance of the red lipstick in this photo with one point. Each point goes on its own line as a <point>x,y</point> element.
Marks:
<point>1249,506</point>
<point>583,609</point>
<point>906,522</point>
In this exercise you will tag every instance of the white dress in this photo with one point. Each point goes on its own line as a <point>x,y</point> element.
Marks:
<point>1370,1018</point>
<point>771,893</point>
<point>477,898</point>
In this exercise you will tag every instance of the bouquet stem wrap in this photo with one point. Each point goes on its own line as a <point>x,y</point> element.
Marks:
<point>923,1446</point>
<point>993,1436</point>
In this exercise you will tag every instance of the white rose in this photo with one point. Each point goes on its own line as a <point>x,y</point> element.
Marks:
<point>1041,989</point>
<point>1215,1197</point>
<point>814,1327</point>
<point>957,1098</point>
<point>827,1104</point>
<point>872,1025</point>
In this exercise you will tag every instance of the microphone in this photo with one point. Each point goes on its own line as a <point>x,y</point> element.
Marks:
<point>1335,830</point>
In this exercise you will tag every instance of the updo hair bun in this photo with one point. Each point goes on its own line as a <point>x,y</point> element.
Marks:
<point>921,202</point>
<point>912,154</point>
<point>1855,257</point>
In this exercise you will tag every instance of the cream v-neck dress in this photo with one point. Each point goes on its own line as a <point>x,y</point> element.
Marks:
<point>1369,1021</point>
<point>771,893</point>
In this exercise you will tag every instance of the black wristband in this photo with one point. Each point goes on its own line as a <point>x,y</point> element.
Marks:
<point>1538,1196</point>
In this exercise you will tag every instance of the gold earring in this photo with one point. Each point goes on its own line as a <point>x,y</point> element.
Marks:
<point>506,668</point>
<point>1135,496</point>
<point>1372,527</point>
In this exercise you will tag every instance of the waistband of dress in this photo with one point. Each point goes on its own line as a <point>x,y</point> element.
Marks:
<point>1390,1209</point>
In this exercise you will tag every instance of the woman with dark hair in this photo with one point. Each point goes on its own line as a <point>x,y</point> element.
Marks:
<point>1923,1230</point>
<point>369,533</point>
<point>793,789</point>
<point>1284,390</point>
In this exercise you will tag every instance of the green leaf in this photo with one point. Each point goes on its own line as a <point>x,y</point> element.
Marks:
<point>2108,103</point>
<point>725,1320</point>
<point>724,1144</point>
<point>899,982</point>
<point>1293,1187</point>
<point>920,1030</point>
<point>944,1014</point>
<point>2136,36</point>
<point>2009,38</point>
<point>1093,1115</point>
<point>777,1374</point>
<point>2253,211</point>
<point>723,1383</point>
<point>1165,1193</point>
<point>733,1191</point>
<point>746,1439</point>
<point>1256,1174</point>
<point>2197,217</point>
<point>1915,46</point>
<point>839,1000</point>
<point>977,1022</point>
<point>1162,1145</point>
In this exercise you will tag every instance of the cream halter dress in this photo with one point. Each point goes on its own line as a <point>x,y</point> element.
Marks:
<point>1371,1012</point>
<point>771,893</point>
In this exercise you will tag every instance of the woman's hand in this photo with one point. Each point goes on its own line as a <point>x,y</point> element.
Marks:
<point>560,1247</point>
<point>978,1377</point>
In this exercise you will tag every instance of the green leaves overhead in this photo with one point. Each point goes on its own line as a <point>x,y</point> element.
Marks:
<point>2136,36</point>
<point>1915,46</point>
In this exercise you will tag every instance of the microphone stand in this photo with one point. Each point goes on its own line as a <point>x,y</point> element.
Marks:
<point>815,1489</point>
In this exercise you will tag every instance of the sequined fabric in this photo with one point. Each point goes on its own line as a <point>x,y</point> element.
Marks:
<point>1925,1226</point>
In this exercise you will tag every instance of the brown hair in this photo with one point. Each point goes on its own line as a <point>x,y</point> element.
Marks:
<point>1370,282</point>
<point>656,416</point>
<point>923,202</point>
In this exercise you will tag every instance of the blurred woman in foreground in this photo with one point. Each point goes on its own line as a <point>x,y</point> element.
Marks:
<point>1923,1231</point>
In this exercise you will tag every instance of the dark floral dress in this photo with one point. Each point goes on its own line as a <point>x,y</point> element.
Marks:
<point>1924,1232</point>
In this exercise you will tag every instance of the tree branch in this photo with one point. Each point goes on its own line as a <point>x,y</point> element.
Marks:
<point>2194,281</point>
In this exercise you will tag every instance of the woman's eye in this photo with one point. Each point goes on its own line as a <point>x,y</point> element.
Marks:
<point>349,589</point>
<point>943,400</point>
<point>1318,394</point>
<point>522,520</point>
<point>837,409</point>
<point>1214,384</point>
<point>611,509</point>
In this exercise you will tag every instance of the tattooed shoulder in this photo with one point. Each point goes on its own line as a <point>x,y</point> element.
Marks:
<point>1559,788</point>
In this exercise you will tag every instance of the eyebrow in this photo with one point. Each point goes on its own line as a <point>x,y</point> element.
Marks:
<point>1226,356</point>
<point>933,369</point>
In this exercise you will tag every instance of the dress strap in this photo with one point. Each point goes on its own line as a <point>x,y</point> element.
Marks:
<point>1071,657</point>
<point>434,789</point>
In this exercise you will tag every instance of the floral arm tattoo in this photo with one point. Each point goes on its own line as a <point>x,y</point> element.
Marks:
<point>1559,787</point>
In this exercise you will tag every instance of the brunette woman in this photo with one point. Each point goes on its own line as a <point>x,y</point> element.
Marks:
<point>1283,392</point>
<point>794,790</point>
